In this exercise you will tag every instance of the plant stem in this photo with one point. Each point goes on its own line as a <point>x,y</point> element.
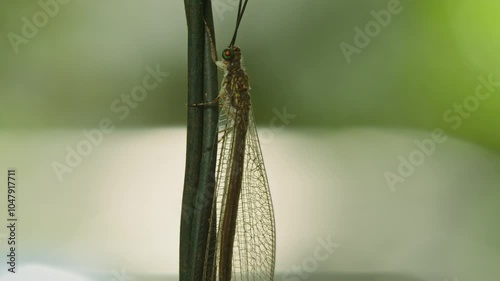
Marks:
<point>199,180</point>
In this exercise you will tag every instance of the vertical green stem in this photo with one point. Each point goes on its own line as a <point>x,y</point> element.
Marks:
<point>199,180</point>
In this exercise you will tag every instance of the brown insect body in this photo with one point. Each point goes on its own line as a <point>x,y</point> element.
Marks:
<point>235,85</point>
<point>244,216</point>
<point>242,233</point>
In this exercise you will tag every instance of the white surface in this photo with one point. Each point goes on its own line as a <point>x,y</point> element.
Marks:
<point>121,206</point>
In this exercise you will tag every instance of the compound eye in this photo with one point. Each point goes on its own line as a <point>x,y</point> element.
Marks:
<point>227,54</point>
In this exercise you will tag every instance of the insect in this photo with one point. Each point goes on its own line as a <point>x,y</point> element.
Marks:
<point>242,227</point>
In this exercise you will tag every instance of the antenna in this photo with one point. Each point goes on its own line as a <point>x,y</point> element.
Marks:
<point>241,10</point>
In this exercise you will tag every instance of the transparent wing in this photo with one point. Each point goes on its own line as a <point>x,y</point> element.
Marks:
<point>255,240</point>
<point>224,150</point>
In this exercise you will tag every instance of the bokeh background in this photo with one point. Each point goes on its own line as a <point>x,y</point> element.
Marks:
<point>351,121</point>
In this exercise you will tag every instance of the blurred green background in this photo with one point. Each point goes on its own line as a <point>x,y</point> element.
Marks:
<point>91,52</point>
<point>353,116</point>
